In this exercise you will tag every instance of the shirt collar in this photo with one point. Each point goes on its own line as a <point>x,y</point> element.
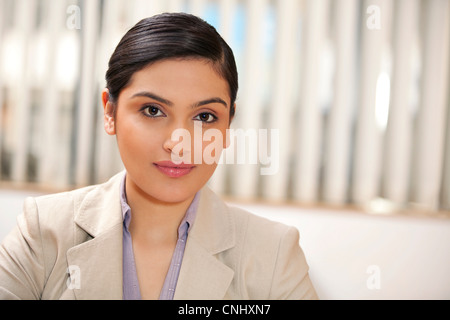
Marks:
<point>188,219</point>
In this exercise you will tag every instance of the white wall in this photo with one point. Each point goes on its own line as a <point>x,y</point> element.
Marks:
<point>347,250</point>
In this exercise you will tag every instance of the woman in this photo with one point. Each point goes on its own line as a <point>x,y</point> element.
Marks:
<point>155,230</point>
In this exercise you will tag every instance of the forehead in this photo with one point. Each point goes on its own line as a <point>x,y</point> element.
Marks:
<point>194,78</point>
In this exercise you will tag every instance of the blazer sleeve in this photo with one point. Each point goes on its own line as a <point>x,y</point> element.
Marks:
<point>291,279</point>
<point>22,272</point>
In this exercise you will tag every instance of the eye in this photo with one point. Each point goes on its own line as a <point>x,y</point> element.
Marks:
<point>206,117</point>
<point>152,112</point>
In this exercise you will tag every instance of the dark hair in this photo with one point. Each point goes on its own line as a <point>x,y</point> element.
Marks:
<point>165,36</point>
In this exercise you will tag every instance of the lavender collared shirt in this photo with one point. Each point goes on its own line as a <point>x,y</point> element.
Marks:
<point>131,289</point>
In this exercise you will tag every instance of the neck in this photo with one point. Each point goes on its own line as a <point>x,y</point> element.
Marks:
<point>152,218</point>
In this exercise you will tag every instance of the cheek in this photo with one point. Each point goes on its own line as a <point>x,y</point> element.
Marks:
<point>136,141</point>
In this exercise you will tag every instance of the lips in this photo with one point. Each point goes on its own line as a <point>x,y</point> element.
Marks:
<point>173,170</point>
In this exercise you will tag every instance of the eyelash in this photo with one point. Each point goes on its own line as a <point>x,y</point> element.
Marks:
<point>214,117</point>
<point>147,114</point>
<point>144,111</point>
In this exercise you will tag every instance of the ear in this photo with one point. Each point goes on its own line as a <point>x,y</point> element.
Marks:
<point>108,113</point>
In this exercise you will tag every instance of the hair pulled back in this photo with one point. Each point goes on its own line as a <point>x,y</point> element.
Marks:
<point>166,36</point>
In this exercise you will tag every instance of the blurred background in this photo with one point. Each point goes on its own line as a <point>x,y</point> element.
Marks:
<point>357,89</point>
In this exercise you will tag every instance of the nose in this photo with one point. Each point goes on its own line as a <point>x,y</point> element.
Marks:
<point>169,144</point>
<point>178,144</point>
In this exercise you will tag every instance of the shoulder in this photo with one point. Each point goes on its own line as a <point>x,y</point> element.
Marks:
<point>254,227</point>
<point>219,223</point>
<point>63,204</point>
<point>33,254</point>
<point>263,241</point>
<point>76,197</point>
<point>271,263</point>
<point>218,217</point>
<point>55,212</point>
<point>53,216</point>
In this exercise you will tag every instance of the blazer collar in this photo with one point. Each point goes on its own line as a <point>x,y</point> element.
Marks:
<point>214,226</point>
<point>202,274</point>
<point>98,261</point>
<point>100,209</point>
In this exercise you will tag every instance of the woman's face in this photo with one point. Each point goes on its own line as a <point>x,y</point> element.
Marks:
<point>187,95</point>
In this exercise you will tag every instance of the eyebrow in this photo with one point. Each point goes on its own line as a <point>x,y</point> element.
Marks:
<point>170,103</point>
<point>152,96</point>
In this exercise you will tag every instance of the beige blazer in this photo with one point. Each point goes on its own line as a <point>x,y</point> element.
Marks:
<point>230,253</point>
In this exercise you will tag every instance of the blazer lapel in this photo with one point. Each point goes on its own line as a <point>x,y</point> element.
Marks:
<point>202,274</point>
<point>96,265</point>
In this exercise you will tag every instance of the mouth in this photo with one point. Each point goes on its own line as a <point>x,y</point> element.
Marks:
<point>173,170</point>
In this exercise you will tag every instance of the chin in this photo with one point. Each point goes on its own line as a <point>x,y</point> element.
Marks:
<point>173,195</point>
